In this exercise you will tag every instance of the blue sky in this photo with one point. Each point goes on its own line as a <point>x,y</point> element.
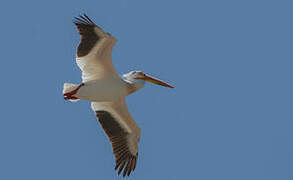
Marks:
<point>229,116</point>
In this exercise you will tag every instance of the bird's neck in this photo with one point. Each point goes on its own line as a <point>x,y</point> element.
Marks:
<point>132,86</point>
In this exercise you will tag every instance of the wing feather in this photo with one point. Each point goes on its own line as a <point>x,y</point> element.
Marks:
<point>122,132</point>
<point>94,51</point>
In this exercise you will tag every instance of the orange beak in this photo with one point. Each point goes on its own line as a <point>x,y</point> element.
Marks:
<point>154,80</point>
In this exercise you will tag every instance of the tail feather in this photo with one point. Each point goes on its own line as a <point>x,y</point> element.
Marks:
<point>70,87</point>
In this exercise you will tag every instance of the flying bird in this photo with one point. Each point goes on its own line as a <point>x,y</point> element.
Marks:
<point>106,90</point>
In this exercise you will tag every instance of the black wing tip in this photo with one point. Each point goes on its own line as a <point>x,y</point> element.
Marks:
<point>127,166</point>
<point>83,20</point>
<point>125,159</point>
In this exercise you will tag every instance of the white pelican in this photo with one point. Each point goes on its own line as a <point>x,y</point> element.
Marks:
<point>106,90</point>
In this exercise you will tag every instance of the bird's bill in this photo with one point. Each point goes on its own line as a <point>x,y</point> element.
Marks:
<point>155,81</point>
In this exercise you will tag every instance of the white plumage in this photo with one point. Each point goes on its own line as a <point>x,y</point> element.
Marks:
<point>102,86</point>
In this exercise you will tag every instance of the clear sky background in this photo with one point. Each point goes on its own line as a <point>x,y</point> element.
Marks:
<point>228,118</point>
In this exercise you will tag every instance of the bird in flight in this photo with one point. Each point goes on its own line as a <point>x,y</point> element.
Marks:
<point>106,90</point>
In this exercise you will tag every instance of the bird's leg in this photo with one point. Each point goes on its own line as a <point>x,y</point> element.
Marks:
<point>70,94</point>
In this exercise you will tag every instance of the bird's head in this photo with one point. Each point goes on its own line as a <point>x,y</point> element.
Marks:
<point>139,78</point>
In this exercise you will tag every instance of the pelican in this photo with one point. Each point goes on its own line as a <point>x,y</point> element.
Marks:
<point>106,90</point>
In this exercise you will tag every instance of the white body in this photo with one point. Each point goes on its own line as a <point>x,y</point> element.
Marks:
<point>101,90</point>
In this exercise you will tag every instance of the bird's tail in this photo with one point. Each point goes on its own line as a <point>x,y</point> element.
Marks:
<point>68,87</point>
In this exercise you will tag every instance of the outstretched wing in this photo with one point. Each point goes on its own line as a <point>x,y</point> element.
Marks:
<point>122,131</point>
<point>94,51</point>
